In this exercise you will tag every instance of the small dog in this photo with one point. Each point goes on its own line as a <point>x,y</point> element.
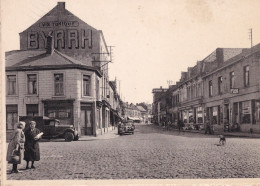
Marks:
<point>222,140</point>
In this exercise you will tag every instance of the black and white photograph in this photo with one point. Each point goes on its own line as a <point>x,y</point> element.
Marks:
<point>138,92</point>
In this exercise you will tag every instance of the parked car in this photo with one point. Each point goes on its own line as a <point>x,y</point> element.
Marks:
<point>52,128</point>
<point>127,127</point>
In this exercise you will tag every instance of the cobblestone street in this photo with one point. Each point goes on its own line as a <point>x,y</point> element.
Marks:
<point>151,153</point>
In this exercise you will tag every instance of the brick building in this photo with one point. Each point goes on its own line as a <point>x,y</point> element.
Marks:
<point>224,88</point>
<point>61,71</point>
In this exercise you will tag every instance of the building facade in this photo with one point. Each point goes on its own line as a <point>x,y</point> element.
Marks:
<point>60,72</point>
<point>223,88</point>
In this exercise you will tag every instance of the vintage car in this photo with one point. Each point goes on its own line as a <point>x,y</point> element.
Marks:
<point>51,128</point>
<point>126,127</point>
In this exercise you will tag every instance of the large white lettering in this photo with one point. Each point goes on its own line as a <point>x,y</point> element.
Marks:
<point>33,40</point>
<point>70,38</point>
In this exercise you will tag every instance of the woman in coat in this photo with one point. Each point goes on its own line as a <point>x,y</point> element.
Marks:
<point>16,145</point>
<point>32,149</point>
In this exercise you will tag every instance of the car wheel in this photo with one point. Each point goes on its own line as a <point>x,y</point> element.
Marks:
<point>68,136</point>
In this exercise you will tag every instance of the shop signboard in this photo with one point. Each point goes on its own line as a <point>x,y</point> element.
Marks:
<point>234,91</point>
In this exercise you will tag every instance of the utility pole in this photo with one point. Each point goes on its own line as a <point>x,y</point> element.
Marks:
<point>251,36</point>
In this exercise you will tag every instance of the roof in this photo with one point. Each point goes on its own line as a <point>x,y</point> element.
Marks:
<point>141,108</point>
<point>245,53</point>
<point>18,60</point>
<point>38,58</point>
<point>57,11</point>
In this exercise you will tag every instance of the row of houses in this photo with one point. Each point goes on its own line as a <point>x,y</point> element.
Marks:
<point>223,88</point>
<point>61,71</point>
<point>140,113</point>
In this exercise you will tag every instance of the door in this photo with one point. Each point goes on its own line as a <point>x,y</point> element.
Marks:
<point>86,120</point>
<point>82,121</point>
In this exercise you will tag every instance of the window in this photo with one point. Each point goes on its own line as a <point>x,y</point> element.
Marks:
<point>214,115</point>
<point>97,89</point>
<point>11,116</point>
<point>58,81</point>
<point>220,85</point>
<point>32,83</point>
<point>11,84</point>
<point>210,88</point>
<point>199,115</point>
<point>246,112</point>
<point>86,85</point>
<point>32,110</point>
<point>191,118</point>
<point>232,79</point>
<point>246,76</point>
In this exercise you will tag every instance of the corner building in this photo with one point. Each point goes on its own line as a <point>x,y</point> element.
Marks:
<point>61,71</point>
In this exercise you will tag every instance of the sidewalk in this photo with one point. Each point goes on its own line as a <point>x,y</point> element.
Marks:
<point>216,133</point>
<point>108,135</point>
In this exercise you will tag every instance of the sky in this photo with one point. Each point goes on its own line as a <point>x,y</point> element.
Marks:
<point>155,40</point>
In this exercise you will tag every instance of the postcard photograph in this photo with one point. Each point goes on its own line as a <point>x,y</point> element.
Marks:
<point>139,92</point>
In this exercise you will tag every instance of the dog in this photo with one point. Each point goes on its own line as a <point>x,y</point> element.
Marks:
<point>222,140</point>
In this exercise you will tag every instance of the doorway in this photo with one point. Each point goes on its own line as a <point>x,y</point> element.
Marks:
<point>86,115</point>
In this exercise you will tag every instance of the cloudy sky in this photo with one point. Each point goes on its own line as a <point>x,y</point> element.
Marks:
<point>154,39</point>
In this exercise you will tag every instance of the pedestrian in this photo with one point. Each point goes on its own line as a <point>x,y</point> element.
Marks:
<point>32,149</point>
<point>16,146</point>
<point>180,124</point>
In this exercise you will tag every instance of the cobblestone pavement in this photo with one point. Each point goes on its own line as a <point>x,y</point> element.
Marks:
<point>150,153</point>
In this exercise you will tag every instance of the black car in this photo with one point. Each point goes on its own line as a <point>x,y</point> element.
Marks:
<point>127,127</point>
<point>52,128</point>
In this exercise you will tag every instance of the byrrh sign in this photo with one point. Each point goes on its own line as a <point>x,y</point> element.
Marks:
<point>68,36</point>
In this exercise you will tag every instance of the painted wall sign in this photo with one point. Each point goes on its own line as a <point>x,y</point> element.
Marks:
<point>158,90</point>
<point>50,24</point>
<point>234,90</point>
<point>62,38</point>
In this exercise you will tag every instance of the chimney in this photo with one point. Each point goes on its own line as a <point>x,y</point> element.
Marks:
<point>160,87</point>
<point>50,45</point>
<point>61,6</point>
<point>219,56</point>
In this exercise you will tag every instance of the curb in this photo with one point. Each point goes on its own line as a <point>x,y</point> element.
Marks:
<point>227,134</point>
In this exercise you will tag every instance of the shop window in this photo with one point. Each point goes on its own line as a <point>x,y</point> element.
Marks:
<point>11,84</point>
<point>210,88</point>
<point>246,76</point>
<point>185,117</point>
<point>246,112</point>
<point>86,85</point>
<point>32,83</point>
<point>214,115</point>
<point>257,112</point>
<point>221,116</point>
<point>199,115</point>
<point>59,84</point>
<point>32,110</point>
<point>220,85</point>
<point>191,118</point>
<point>232,79</point>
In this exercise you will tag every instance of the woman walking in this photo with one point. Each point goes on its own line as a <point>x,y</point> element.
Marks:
<point>16,147</point>
<point>32,149</point>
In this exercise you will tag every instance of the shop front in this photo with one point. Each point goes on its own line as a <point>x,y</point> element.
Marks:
<point>246,115</point>
<point>60,109</point>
